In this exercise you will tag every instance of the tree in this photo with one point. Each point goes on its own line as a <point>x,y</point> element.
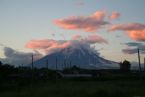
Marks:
<point>125,66</point>
<point>1,63</point>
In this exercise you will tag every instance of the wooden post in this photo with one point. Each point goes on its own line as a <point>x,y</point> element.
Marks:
<point>139,60</point>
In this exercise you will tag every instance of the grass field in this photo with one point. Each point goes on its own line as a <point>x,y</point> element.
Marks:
<point>73,88</point>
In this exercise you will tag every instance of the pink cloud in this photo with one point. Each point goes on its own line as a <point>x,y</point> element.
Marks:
<point>91,39</point>
<point>80,3</point>
<point>95,39</point>
<point>135,31</point>
<point>99,15</point>
<point>127,27</point>
<point>90,23</point>
<point>76,37</point>
<point>48,46</point>
<point>114,15</point>
<point>40,44</point>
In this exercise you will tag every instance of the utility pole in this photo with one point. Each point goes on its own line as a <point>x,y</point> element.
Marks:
<point>139,60</point>
<point>64,63</point>
<point>56,63</point>
<point>32,61</point>
<point>32,70</point>
<point>22,64</point>
<point>47,63</point>
<point>144,64</point>
<point>70,64</point>
<point>56,67</point>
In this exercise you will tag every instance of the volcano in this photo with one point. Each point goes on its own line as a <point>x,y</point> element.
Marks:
<point>75,56</point>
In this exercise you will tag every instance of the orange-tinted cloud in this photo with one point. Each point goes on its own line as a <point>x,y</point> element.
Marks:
<point>135,31</point>
<point>137,35</point>
<point>90,23</point>
<point>114,15</point>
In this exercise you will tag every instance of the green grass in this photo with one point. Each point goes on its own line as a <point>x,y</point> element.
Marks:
<point>68,88</point>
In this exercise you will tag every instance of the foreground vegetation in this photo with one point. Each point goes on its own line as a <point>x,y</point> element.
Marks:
<point>75,88</point>
<point>27,82</point>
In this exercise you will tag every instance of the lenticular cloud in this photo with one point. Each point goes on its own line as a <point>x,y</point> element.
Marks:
<point>48,46</point>
<point>90,23</point>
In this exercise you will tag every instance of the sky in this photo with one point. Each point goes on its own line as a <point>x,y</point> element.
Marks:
<point>115,28</point>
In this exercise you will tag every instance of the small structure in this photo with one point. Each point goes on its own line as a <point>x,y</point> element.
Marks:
<point>73,75</point>
<point>73,72</point>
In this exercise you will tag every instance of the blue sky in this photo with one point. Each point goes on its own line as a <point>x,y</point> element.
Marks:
<point>24,20</point>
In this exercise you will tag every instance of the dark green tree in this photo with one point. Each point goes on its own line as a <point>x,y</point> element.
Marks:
<point>125,66</point>
<point>1,63</point>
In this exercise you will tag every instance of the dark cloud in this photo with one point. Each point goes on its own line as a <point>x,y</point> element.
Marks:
<point>133,48</point>
<point>129,51</point>
<point>132,44</point>
<point>17,58</point>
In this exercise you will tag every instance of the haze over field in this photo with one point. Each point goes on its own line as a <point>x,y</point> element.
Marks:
<point>112,29</point>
